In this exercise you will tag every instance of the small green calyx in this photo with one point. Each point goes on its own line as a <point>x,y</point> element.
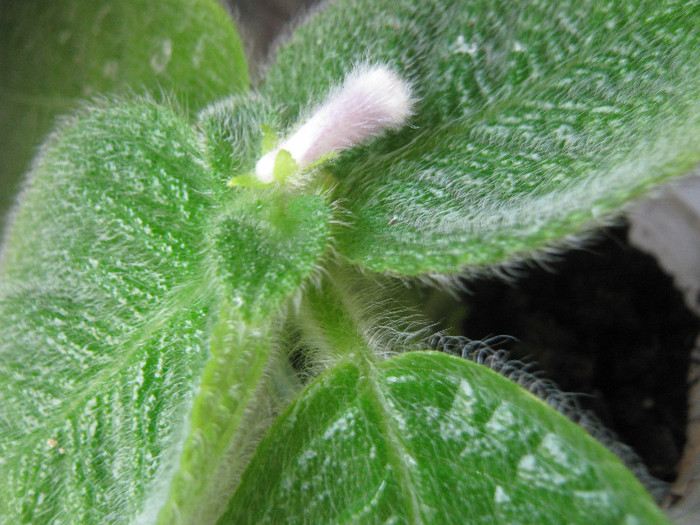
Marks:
<point>285,167</point>
<point>249,180</point>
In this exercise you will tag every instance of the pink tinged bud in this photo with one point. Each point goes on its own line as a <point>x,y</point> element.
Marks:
<point>369,102</point>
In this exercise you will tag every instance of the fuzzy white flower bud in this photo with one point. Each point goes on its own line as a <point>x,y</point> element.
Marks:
<point>369,102</point>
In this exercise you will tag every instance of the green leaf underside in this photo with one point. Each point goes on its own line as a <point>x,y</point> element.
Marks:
<point>532,119</point>
<point>116,283</point>
<point>53,54</point>
<point>428,438</point>
<point>231,411</point>
<point>285,166</point>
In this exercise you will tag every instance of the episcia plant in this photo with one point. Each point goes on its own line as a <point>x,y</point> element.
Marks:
<point>203,310</point>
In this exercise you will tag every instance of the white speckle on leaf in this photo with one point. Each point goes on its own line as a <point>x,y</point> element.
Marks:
<point>305,456</point>
<point>453,430</point>
<point>342,425</point>
<point>631,520</point>
<point>110,69</point>
<point>465,389</point>
<point>538,472</point>
<point>400,379</point>
<point>500,495</point>
<point>553,446</point>
<point>400,422</point>
<point>369,509</point>
<point>456,421</point>
<point>527,463</point>
<point>198,53</point>
<point>461,46</point>
<point>237,302</point>
<point>373,452</point>
<point>410,460</point>
<point>502,420</point>
<point>597,498</point>
<point>605,109</point>
<point>431,413</point>
<point>63,37</point>
<point>161,58</point>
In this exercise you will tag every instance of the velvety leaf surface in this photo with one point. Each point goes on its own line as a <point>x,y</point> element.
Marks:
<point>264,245</point>
<point>266,241</point>
<point>230,412</point>
<point>132,341</point>
<point>268,246</point>
<point>428,438</point>
<point>53,54</point>
<point>532,118</point>
<point>234,135</point>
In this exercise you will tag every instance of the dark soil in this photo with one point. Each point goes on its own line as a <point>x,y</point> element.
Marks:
<point>607,323</point>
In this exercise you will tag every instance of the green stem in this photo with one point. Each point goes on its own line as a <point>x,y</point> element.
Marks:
<point>335,323</point>
<point>350,315</point>
<point>227,421</point>
<point>330,325</point>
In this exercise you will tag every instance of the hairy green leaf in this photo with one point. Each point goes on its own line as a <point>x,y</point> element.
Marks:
<point>232,410</point>
<point>235,130</point>
<point>52,54</point>
<point>135,328</point>
<point>428,438</point>
<point>531,120</point>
